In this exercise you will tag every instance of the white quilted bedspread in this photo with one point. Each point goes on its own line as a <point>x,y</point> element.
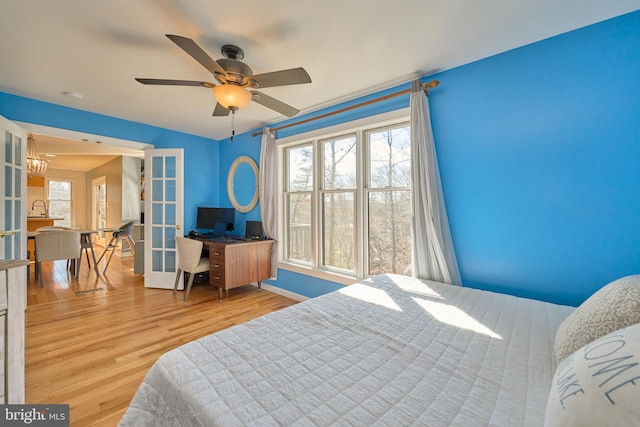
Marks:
<point>389,351</point>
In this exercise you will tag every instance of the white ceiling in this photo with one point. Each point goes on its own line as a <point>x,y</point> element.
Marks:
<point>349,48</point>
<point>79,155</point>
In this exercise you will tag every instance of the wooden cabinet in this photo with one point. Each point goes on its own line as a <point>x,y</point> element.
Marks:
<point>35,181</point>
<point>234,264</point>
<point>33,223</point>
<point>12,323</point>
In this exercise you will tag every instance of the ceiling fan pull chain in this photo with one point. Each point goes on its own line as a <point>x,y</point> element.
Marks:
<point>233,124</point>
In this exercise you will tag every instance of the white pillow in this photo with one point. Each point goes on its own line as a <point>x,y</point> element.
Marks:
<point>598,385</point>
<point>613,307</point>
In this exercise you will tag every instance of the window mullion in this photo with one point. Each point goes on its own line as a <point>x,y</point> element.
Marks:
<point>316,241</point>
<point>360,220</point>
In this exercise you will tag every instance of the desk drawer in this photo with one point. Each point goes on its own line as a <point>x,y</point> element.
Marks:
<point>216,272</point>
<point>216,261</point>
<point>216,278</point>
<point>216,265</point>
<point>216,252</point>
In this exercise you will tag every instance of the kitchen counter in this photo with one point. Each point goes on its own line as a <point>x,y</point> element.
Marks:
<point>35,222</point>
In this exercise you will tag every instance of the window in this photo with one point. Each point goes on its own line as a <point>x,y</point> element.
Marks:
<point>298,202</point>
<point>60,201</point>
<point>338,202</point>
<point>347,200</point>
<point>389,200</point>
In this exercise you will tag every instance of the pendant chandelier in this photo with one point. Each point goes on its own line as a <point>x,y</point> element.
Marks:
<point>35,165</point>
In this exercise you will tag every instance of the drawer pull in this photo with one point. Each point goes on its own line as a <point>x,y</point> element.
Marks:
<point>216,265</point>
<point>216,253</point>
<point>216,277</point>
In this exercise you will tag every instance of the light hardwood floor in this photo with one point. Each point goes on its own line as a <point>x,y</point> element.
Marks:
<point>90,342</point>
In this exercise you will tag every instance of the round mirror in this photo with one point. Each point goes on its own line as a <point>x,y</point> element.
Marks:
<point>242,184</point>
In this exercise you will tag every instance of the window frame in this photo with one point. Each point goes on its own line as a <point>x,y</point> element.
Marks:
<point>72,189</point>
<point>360,128</point>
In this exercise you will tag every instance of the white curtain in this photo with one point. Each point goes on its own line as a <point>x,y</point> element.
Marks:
<point>433,253</point>
<point>268,197</point>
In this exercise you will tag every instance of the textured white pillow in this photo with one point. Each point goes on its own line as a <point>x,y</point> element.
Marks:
<point>615,306</point>
<point>598,385</point>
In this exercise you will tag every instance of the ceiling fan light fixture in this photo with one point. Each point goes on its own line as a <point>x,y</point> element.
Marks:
<point>232,96</point>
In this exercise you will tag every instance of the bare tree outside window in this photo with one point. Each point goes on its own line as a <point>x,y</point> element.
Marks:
<point>338,207</point>
<point>389,201</point>
<point>298,203</point>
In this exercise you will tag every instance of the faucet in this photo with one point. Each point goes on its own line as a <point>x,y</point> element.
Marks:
<point>44,205</point>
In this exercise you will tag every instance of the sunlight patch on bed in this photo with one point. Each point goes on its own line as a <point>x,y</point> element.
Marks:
<point>417,287</point>
<point>452,315</point>
<point>371,295</point>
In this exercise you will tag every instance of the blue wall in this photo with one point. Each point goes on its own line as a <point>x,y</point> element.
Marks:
<point>201,155</point>
<point>242,145</point>
<point>539,150</point>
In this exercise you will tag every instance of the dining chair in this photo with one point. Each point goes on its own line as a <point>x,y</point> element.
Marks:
<point>190,261</point>
<point>50,228</point>
<point>86,245</point>
<point>122,234</point>
<point>57,245</point>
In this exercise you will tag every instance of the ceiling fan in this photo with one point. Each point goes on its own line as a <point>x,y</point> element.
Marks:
<point>237,83</point>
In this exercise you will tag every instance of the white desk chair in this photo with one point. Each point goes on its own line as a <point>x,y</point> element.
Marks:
<point>189,261</point>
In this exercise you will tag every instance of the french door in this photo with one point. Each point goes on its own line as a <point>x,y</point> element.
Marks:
<point>13,182</point>
<point>164,214</point>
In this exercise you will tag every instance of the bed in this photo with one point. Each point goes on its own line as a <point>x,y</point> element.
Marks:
<point>390,350</point>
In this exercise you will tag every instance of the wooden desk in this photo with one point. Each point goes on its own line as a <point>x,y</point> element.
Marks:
<point>238,263</point>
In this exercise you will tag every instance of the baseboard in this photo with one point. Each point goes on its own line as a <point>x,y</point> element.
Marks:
<point>283,292</point>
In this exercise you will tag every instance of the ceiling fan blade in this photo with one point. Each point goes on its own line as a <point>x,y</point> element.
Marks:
<point>274,104</point>
<point>197,53</point>
<point>220,110</point>
<point>293,76</point>
<point>173,82</point>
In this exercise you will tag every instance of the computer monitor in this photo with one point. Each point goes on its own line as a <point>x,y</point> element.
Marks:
<point>254,230</point>
<point>217,219</point>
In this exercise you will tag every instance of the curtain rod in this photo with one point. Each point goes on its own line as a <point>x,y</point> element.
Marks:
<point>425,87</point>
